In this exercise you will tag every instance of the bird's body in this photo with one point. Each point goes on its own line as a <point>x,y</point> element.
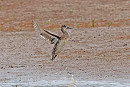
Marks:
<point>58,47</point>
<point>59,42</point>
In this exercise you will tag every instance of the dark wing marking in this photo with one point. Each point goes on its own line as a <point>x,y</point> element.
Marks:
<point>52,34</point>
<point>45,34</point>
<point>54,50</point>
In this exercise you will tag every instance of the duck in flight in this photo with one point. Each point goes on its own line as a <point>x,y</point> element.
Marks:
<point>58,41</point>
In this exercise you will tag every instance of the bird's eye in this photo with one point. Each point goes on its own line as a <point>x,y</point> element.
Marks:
<point>63,25</point>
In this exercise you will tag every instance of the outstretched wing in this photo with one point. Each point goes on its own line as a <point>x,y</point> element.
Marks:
<point>45,34</point>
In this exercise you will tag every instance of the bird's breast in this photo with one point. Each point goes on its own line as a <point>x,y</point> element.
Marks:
<point>63,42</point>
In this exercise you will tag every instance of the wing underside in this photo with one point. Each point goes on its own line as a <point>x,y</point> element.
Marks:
<point>45,34</point>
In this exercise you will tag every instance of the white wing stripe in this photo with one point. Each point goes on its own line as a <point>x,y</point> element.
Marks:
<point>42,36</point>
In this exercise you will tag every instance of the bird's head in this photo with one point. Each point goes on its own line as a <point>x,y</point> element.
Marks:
<point>65,27</point>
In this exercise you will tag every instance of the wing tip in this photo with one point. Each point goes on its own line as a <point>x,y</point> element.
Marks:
<point>53,57</point>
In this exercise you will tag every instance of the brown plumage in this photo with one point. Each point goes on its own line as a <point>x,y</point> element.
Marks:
<point>59,42</point>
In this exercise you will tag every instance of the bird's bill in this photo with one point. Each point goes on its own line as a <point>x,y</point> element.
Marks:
<point>69,28</point>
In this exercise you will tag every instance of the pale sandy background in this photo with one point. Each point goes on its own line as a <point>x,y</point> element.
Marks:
<point>94,53</point>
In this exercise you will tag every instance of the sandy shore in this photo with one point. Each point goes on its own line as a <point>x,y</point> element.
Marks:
<point>93,54</point>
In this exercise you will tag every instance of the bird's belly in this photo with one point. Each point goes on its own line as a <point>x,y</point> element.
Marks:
<point>61,45</point>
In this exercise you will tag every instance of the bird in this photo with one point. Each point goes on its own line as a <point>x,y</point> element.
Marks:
<point>58,41</point>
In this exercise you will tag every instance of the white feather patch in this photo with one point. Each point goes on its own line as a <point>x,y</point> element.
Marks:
<point>42,36</point>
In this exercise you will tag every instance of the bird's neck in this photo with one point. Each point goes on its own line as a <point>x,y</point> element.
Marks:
<point>65,33</point>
